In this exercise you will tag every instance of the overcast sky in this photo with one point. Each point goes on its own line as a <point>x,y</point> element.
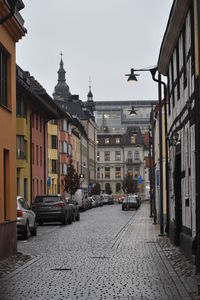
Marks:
<point>99,38</point>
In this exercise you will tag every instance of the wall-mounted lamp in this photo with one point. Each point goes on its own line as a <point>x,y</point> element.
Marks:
<point>173,139</point>
<point>189,104</point>
<point>133,111</point>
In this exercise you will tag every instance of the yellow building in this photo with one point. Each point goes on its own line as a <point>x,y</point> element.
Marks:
<point>52,181</point>
<point>11,30</point>
<point>23,149</point>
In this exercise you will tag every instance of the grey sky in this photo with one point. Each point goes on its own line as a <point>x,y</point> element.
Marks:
<point>99,38</point>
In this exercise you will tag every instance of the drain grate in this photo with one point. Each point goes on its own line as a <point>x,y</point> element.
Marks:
<point>100,257</point>
<point>61,269</point>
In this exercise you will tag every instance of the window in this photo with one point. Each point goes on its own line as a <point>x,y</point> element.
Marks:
<point>132,139</point>
<point>32,119</point>
<point>184,57</point>
<point>64,147</point>
<point>177,70</point>
<point>130,172</point>
<point>70,129</point>
<point>36,121</point>
<point>21,147</point>
<point>97,142</point>
<point>130,156</point>
<point>117,172</point>
<point>64,169</point>
<point>54,122</point>
<point>172,80</point>
<point>37,155</point>
<point>117,140</point>
<point>41,192</point>
<point>98,156</point>
<point>107,141</point>
<point>20,108</point>
<point>25,188</point>
<point>136,155</point>
<point>98,172</point>
<point>107,155</point>
<point>136,172</point>
<point>117,155</point>
<point>40,123</point>
<point>6,180</point>
<point>40,156</point>
<point>54,166</point>
<point>4,78</point>
<point>107,172</point>
<point>118,187</point>
<point>63,125</point>
<point>54,142</point>
<point>70,149</point>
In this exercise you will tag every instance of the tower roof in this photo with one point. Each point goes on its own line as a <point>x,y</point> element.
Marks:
<point>61,90</point>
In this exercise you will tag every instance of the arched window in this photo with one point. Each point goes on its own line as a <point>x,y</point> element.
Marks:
<point>136,155</point>
<point>118,187</point>
<point>130,155</point>
<point>108,188</point>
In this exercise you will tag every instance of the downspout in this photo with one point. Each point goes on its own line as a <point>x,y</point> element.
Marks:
<point>31,176</point>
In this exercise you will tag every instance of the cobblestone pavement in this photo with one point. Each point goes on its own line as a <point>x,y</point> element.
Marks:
<point>109,254</point>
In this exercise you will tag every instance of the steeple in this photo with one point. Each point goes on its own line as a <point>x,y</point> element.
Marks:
<point>90,95</point>
<point>61,91</point>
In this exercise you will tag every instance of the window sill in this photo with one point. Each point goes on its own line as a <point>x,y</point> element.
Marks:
<point>6,108</point>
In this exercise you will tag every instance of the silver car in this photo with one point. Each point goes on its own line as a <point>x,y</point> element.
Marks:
<point>26,219</point>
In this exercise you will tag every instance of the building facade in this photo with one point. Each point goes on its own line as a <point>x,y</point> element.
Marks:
<point>121,147</point>
<point>10,32</point>
<point>177,62</point>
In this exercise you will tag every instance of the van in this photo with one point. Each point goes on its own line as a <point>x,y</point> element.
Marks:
<point>80,197</point>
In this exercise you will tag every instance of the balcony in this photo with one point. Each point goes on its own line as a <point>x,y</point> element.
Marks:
<point>130,161</point>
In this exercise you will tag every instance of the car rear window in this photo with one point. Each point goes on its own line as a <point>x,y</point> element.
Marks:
<point>46,199</point>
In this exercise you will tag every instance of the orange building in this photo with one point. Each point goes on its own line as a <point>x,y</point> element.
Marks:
<point>11,30</point>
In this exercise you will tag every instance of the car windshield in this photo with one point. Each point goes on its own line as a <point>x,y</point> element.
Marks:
<point>46,199</point>
<point>130,199</point>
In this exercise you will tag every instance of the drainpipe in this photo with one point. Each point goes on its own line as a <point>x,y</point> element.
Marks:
<point>197,127</point>
<point>31,176</point>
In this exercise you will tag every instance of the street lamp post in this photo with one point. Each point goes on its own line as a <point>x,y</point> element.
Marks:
<point>133,77</point>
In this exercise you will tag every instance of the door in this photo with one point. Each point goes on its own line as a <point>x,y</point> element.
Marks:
<point>178,203</point>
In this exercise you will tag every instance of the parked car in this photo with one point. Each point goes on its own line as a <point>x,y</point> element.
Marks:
<point>130,201</point>
<point>26,219</point>
<point>120,199</point>
<point>75,208</point>
<point>80,198</point>
<point>89,200</point>
<point>105,198</point>
<point>51,208</point>
<point>110,199</point>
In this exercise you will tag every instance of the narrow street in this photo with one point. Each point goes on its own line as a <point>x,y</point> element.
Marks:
<point>109,254</point>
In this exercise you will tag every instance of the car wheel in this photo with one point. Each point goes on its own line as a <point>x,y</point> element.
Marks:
<point>78,217</point>
<point>70,220</point>
<point>27,232</point>
<point>34,231</point>
<point>64,221</point>
<point>122,208</point>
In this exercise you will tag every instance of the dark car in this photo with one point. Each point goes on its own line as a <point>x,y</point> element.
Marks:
<point>52,208</point>
<point>130,202</point>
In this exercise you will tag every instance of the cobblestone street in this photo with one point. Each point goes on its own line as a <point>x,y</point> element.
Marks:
<point>109,254</point>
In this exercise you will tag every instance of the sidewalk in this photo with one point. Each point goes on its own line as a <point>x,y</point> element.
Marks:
<point>182,268</point>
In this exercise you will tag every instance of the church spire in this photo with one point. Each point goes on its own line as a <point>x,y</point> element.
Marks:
<point>61,71</point>
<point>90,95</point>
<point>61,90</point>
